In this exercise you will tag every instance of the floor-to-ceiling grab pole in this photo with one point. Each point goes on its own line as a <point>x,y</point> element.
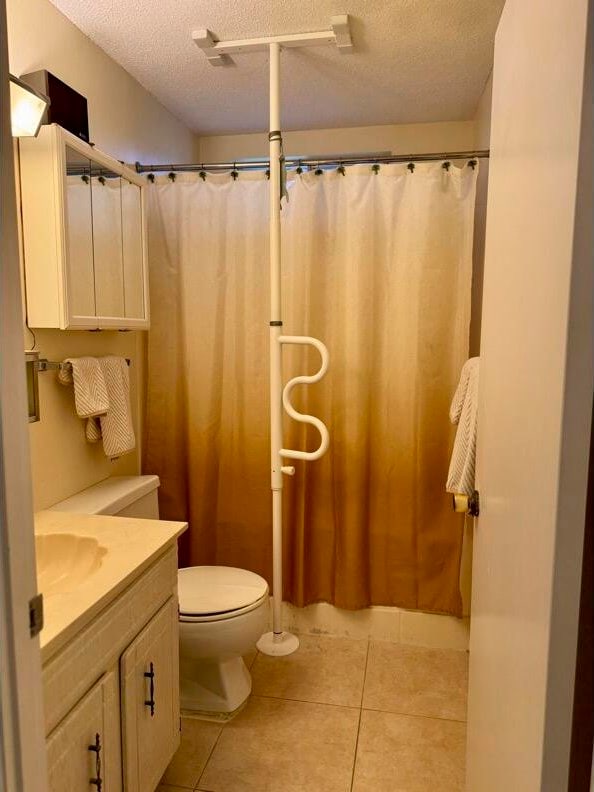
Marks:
<point>276,642</point>
<point>218,53</point>
<point>279,642</point>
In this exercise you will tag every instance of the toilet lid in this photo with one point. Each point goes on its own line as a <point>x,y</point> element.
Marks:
<point>206,590</point>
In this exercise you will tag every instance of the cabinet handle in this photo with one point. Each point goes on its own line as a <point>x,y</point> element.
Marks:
<point>96,748</point>
<point>151,701</point>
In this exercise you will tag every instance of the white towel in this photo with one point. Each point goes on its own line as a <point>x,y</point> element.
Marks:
<point>117,429</point>
<point>464,412</point>
<point>90,389</point>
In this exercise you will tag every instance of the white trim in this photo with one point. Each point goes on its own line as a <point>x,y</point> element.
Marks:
<point>22,739</point>
<point>379,623</point>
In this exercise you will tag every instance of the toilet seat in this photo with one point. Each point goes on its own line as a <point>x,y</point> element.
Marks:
<point>215,593</point>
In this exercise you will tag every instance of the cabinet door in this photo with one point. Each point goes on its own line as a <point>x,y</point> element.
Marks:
<point>150,700</point>
<point>133,250</point>
<point>85,746</point>
<point>107,243</point>
<point>79,234</point>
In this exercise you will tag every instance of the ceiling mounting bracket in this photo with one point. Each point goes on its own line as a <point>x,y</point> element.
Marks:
<point>218,52</point>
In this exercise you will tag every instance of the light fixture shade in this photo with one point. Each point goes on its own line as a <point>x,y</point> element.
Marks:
<point>27,107</point>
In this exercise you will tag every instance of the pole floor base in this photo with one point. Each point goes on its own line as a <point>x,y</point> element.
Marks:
<point>278,644</point>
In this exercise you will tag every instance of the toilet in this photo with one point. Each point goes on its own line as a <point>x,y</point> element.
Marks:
<point>222,610</point>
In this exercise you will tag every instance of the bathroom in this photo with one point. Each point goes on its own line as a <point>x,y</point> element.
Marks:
<point>268,527</point>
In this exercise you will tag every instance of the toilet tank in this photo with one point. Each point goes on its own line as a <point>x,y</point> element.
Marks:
<point>122,496</point>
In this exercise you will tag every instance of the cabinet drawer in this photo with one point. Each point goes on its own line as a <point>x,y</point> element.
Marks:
<point>85,746</point>
<point>149,671</point>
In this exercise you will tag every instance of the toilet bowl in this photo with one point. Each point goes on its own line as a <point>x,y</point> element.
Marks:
<point>222,610</point>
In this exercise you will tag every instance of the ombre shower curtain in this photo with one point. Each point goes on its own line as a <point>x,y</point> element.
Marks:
<point>378,266</point>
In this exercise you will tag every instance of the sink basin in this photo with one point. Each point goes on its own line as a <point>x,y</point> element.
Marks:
<point>64,561</point>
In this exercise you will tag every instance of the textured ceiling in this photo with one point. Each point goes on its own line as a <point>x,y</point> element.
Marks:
<point>415,60</point>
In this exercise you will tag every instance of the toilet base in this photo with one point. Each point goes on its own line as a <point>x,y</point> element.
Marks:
<point>213,717</point>
<point>214,686</point>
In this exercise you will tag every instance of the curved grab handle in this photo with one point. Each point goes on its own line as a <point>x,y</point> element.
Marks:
<point>306,379</point>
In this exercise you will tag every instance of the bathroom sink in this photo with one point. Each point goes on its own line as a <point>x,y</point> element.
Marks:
<point>64,561</point>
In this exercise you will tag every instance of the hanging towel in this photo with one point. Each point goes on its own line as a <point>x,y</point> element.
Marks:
<point>117,429</point>
<point>90,390</point>
<point>93,430</point>
<point>464,412</point>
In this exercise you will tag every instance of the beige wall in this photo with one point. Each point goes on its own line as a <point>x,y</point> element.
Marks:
<point>482,124</point>
<point>482,117</point>
<point>128,123</point>
<point>124,119</point>
<point>397,138</point>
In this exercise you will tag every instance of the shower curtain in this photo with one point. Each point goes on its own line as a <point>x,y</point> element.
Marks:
<point>377,264</point>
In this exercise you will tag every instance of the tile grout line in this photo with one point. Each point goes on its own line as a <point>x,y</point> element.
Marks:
<point>196,787</point>
<point>414,715</point>
<point>306,701</point>
<point>356,749</point>
<point>360,716</point>
<point>365,671</point>
<point>216,742</point>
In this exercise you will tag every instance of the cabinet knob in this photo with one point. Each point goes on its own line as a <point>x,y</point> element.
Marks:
<point>96,748</point>
<point>151,700</point>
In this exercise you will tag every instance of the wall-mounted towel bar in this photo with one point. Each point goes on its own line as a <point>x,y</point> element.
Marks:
<point>35,364</point>
<point>48,365</point>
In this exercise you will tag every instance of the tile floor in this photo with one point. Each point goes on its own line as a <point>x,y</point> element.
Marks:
<point>339,715</point>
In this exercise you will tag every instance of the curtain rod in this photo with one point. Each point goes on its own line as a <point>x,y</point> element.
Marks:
<point>263,164</point>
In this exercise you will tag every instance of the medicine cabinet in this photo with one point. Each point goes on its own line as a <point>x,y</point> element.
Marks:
<point>84,236</point>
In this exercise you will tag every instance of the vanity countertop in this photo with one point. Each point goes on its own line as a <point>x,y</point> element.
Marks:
<point>132,545</point>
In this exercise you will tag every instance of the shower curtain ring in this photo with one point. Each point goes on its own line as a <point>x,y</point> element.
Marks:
<point>202,172</point>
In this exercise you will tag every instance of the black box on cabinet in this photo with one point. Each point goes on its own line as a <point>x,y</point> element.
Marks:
<point>67,107</point>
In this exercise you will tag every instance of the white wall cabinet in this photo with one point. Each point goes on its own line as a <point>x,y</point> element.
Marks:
<point>98,684</point>
<point>84,236</point>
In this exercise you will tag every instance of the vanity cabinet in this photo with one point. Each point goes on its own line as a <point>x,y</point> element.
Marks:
<point>84,236</point>
<point>84,750</point>
<point>100,683</point>
<point>150,700</point>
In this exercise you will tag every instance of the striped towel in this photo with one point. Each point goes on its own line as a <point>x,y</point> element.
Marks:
<point>464,412</point>
<point>90,388</point>
<point>117,429</point>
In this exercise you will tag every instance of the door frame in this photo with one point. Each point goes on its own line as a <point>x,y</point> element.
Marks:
<point>581,771</point>
<point>535,400</point>
<point>22,739</point>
